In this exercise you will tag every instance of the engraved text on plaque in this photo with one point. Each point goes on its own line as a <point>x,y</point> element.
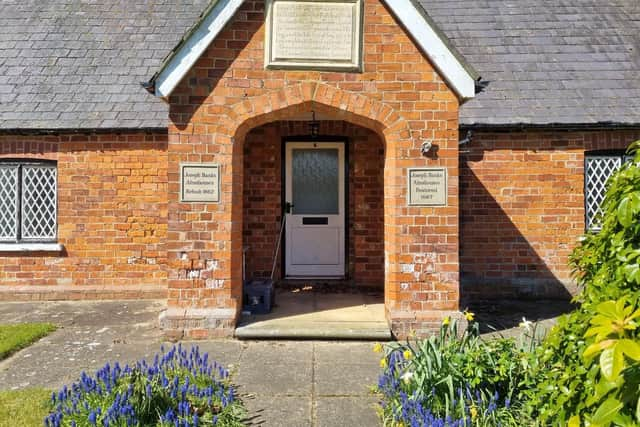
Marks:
<point>314,34</point>
<point>427,187</point>
<point>199,182</point>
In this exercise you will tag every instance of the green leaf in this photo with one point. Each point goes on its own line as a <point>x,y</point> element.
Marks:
<point>596,348</point>
<point>607,308</point>
<point>625,212</point>
<point>638,410</point>
<point>611,363</point>
<point>574,421</point>
<point>630,348</point>
<point>607,411</point>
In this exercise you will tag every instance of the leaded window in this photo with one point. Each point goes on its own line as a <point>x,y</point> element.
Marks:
<point>28,201</point>
<point>598,168</point>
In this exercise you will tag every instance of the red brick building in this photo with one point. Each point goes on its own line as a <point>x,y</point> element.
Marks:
<point>363,123</point>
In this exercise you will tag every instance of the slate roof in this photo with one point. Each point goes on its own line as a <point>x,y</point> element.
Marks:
<point>79,63</point>
<point>547,61</point>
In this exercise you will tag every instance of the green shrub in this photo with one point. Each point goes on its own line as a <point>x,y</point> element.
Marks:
<point>606,265</point>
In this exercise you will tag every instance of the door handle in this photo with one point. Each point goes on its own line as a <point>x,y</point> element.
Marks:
<point>287,207</point>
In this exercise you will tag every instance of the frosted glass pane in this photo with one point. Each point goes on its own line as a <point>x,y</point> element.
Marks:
<point>315,181</point>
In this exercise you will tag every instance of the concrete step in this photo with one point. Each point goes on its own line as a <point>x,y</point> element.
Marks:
<point>344,330</point>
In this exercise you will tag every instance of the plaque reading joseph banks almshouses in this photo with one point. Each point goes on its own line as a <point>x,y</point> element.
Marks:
<point>314,34</point>
<point>427,187</point>
<point>199,182</point>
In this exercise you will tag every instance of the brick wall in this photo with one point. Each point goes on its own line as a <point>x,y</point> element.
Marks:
<point>522,210</point>
<point>228,92</point>
<point>262,197</point>
<point>112,218</point>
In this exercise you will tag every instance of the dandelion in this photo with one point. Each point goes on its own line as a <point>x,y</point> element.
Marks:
<point>377,348</point>
<point>469,316</point>
<point>446,321</point>
<point>383,362</point>
<point>407,354</point>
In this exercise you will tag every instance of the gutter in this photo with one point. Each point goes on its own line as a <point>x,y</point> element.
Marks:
<point>563,127</point>
<point>82,131</point>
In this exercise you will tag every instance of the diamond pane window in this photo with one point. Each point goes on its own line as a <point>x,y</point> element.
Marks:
<point>598,169</point>
<point>39,203</point>
<point>28,201</point>
<point>8,202</point>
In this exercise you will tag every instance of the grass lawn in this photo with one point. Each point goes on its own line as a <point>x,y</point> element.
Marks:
<point>19,336</point>
<point>26,407</point>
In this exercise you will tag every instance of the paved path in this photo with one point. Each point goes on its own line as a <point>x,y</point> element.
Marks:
<point>282,383</point>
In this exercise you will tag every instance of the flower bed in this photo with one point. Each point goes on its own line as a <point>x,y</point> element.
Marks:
<point>179,388</point>
<point>453,380</point>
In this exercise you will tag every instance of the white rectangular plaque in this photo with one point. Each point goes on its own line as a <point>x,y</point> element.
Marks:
<point>314,34</point>
<point>427,187</point>
<point>199,182</point>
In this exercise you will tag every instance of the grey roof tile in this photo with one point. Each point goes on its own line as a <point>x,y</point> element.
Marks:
<point>560,61</point>
<point>79,64</point>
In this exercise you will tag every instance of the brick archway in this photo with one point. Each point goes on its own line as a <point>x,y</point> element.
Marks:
<point>350,107</point>
<point>421,270</point>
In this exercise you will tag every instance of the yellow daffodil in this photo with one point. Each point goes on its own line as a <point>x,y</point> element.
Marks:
<point>469,316</point>
<point>446,321</point>
<point>474,412</point>
<point>383,362</point>
<point>377,348</point>
<point>407,354</point>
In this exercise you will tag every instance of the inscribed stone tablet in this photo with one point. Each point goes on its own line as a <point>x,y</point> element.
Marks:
<point>199,182</point>
<point>427,187</point>
<point>314,34</point>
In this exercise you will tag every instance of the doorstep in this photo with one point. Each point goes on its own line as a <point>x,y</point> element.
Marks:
<point>300,314</point>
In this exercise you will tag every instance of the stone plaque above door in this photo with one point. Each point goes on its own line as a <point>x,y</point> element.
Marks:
<point>310,34</point>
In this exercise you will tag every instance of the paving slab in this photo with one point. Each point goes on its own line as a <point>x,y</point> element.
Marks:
<point>344,379</point>
<point>280,411</point>
<point>350,352</point>
<point>275,379</point>
<point>257,353</point>
<point>346,411</point>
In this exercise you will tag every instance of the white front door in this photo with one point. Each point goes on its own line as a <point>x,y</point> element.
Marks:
<point>314,190</point>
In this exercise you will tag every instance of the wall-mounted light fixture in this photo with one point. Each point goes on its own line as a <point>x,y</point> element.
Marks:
<point>314,125</point>
<point>426,147</point>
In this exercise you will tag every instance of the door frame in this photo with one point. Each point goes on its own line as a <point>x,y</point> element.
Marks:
<point>283,183</point>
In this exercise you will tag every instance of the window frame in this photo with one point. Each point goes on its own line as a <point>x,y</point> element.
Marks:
<point>621,154</point>
<point>19,238</point>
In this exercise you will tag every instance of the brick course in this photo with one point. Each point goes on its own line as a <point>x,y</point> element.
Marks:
<point>112,218</point>
<point>522,210</point>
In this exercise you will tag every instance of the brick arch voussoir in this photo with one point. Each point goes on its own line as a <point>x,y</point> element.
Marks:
<point>344,105</point>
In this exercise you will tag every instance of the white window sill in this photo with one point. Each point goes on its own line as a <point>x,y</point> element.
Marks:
<point>31,247</point>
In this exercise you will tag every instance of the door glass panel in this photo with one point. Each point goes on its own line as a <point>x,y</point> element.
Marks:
<point>314,179</point>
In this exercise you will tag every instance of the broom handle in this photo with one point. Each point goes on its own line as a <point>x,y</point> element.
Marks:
<point>275,256</point>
